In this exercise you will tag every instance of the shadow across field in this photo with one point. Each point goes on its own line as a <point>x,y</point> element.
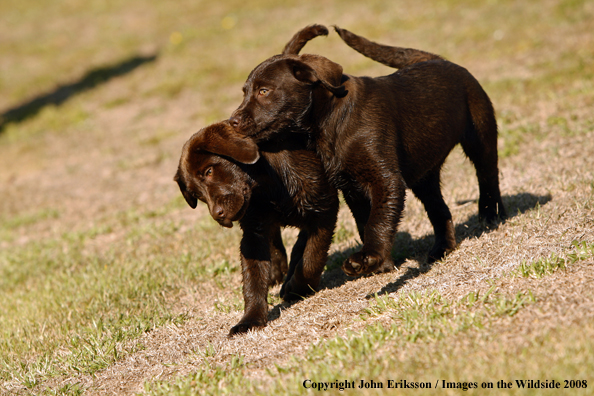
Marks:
<point>405,247</point>
<point>64,92</point>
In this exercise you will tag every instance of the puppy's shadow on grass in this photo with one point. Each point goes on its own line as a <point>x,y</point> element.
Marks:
<point>472,228</point>
<point>64,92</point>
<point>407,248</point>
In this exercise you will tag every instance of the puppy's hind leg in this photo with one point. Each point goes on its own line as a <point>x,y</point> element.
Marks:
<point>480,146</point>
<point>428,191</point>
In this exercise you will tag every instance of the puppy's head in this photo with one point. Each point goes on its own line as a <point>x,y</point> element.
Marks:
<point>281,92</point>
<point>209,171</point>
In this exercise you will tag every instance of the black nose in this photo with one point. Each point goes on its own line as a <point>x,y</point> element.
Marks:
<point>235,121</point>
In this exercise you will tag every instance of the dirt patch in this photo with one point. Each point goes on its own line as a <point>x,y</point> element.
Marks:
<point>110,155</point>
<point>540,223</point>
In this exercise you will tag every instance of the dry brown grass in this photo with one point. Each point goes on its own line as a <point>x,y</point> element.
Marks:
<point>104,161</point>
<point>563,300</point>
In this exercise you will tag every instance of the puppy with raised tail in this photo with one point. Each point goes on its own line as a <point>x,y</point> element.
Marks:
<point>378,136</point>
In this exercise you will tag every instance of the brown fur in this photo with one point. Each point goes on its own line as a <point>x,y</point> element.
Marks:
<point>298,41</point>
<point>395,57</point>
<point>283,185</point>
<point>377,136</point>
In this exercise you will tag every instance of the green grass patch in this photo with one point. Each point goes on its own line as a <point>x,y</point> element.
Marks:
<point>74,303</point>
<point>9,223</point>
<point>549,265</point>
<point>68,308</point>
<point>212,380</point>
<point>541,267</point>
<point>424,321</point>
<point>415,319</point>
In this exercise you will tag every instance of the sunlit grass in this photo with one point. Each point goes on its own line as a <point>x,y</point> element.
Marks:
<point>67,308</point>
<point>78,293</point>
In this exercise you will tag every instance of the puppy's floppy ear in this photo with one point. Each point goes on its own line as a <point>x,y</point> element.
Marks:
<point>301,38</point>
<point>317,69</point>
<point>190,199</point>
<point>222,139</point>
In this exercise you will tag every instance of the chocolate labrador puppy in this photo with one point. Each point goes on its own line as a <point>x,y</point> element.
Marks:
<point>281,183</point>
<point>377,136</point>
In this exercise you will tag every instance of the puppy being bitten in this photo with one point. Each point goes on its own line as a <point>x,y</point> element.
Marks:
<point>263,189</point>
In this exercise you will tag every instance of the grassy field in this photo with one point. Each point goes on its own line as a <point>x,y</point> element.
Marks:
<point>111,284</point>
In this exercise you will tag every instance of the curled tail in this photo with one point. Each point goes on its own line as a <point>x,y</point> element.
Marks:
<point>301,38</point>
<point>396,57</point>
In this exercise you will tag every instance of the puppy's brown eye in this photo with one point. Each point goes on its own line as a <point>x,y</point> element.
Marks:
<point>263,92</point>
<point>208,172</point>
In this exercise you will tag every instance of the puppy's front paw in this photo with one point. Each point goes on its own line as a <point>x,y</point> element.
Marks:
<point>362,263</point>
<point>245,326</point>
<point>492,213</point>
<point>293,290</point>
<point>437,253</point>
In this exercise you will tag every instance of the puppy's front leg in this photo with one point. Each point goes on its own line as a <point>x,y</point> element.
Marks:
<point>255,266</point>
<point>296,259</point>
<point>360,207</point>
<point>307,270</point>
<point>387,203</point>
<point>278,257</point>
